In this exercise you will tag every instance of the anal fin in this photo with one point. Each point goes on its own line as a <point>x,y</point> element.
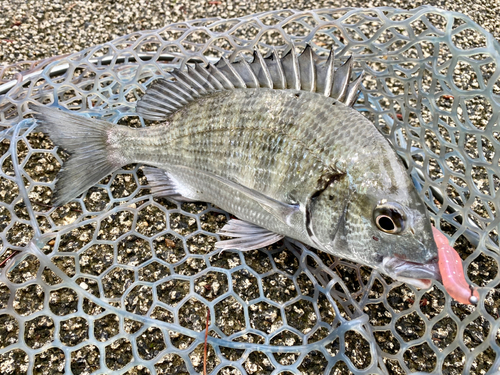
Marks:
<point>247,236</point>
<point>162,185</point>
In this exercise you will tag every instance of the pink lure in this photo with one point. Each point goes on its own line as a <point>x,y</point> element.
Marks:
<point>452,271</point>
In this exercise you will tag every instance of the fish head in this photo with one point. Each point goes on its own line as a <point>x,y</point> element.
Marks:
<point>385,227</point>
<point>393,226</point>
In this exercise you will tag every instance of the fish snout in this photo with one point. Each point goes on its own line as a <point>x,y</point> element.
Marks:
<point>418,274</point>
<point>425,253</point>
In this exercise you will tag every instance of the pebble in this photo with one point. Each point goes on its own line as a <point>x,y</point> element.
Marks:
<point>38,29</point>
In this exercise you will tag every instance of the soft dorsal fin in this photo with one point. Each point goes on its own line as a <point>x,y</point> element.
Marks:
<point>307,71</point>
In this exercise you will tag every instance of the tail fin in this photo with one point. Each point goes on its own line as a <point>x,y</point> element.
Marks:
<point>87,141</point>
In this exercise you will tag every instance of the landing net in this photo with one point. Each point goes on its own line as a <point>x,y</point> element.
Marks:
<point>119,281</point>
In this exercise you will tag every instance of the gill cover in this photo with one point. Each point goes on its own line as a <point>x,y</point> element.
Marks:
<point>326,208</point>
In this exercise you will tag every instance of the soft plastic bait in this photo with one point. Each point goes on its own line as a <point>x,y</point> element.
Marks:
<point>452,272</point>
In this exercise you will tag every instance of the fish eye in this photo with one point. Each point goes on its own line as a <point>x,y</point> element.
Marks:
<point>389,218</point>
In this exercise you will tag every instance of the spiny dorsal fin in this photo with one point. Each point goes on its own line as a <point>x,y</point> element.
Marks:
<point>353,91</point>
<point>246,73</point>
<point>307,68</point>
<point>261,70</point>
<point>341,81</point>
<point>290,64</point>
<point>273,63</point>
<point>218,75</point>
<point>325,74</point>
<point>307,71</point>
<point>229,70</point>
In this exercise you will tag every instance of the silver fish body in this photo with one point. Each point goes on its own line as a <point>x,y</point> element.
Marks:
<point>299,164</point>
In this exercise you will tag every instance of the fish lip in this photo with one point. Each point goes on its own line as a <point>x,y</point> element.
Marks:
<point>418,274</point>
<point>419,283</point>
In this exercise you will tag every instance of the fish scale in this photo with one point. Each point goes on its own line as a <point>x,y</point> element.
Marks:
<point>264,149</point>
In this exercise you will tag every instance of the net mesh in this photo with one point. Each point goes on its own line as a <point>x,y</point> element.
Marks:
<point>117,280</point>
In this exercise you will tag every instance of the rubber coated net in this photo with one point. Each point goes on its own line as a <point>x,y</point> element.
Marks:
<point>119,281</point>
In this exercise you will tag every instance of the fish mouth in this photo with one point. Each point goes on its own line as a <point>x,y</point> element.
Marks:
<point>417,274</point>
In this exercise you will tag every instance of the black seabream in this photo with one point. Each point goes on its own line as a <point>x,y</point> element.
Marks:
<point>274,142</point>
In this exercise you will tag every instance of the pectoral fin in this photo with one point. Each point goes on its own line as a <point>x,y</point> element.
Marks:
<point>247,236</point>
<point>281,211</point>
<point>284,212</point>
<point>163,183</point>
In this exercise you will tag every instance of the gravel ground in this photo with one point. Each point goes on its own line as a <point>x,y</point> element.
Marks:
<point>34,30</point>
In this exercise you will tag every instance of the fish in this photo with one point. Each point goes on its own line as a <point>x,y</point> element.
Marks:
<point>275,142</point>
